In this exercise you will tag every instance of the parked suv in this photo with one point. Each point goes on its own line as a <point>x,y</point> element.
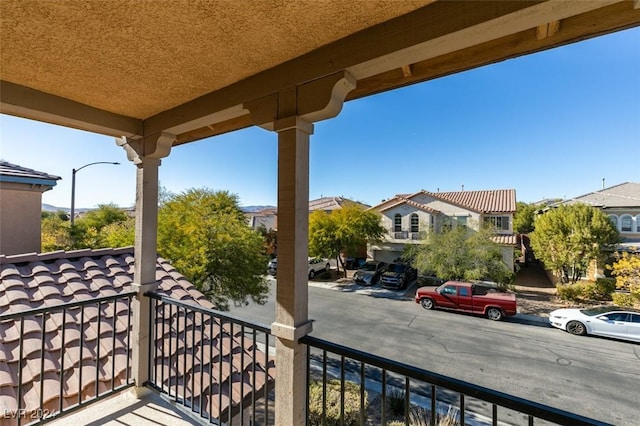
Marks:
<point>316,265</point>
<point>398,275</point>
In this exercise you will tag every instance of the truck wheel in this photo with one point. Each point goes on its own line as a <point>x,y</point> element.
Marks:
<point>312,274</point>
<point>494,314</point>
<point>577,328</point>
<point>427,303</point>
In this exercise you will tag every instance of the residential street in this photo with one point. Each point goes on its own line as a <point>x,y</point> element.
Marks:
<point>534,362</point>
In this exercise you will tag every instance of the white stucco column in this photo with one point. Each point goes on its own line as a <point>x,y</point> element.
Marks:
<point>145,248</point>
<point>292,320</point>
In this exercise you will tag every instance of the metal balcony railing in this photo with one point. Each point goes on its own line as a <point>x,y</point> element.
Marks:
<point>409,395</point>
<point>400,235</point>
<point>216,365</point>
<point>92,334</point>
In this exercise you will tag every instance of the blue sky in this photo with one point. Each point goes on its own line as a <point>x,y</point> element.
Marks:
<point>553,124</point>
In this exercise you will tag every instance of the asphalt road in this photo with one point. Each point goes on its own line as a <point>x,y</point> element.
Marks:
<point>594,377</point>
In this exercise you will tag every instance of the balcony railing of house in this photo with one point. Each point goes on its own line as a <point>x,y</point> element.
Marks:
<point>409,395</point>
<point>400,235</point>
<point>68,356</point>
<point>216,366</point>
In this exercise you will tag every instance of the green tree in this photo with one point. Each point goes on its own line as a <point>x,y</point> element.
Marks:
<point>523,220</point>
<point>87,231</point>
<point>55,233</point>
<point>627,272</point>
<point>64,216</point>
<point>205,236</point>
<point>345,230</point>
<point>568,238</point>
<point>119,234</point>
<point>462,254</point>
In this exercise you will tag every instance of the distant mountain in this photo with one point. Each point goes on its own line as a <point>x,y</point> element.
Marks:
<point>50,208</point>
<point>53,209</point>
<point>253,209</point>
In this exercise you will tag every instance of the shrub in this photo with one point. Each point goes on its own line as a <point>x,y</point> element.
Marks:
<point>604,288</point>
<point>351,403</point>
<point>420,416</point>
<point>568,291</point>
<point>395,402</point>
<point>625,299</point>
<point>599,290</point>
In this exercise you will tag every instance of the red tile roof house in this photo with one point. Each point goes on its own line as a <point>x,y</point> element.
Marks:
<point>84,349</point>
<point>407,217</point>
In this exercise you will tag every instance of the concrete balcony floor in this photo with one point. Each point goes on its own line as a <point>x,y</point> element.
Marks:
<point>125,408</point>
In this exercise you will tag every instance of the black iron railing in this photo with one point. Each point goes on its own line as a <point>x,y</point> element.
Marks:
<point>217,366</point>
<point>84,329</point>
<point>375,390</point>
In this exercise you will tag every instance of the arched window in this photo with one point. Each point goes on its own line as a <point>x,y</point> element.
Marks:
<point>397,223</point>
<point>626,223</point>
<point>614,219</point>
<point>638,223</point>
<point>415,223</point>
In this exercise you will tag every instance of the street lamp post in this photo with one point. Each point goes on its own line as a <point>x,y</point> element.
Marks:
<point>73,186</point>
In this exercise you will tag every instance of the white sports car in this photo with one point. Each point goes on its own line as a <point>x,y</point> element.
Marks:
<point>608,321</point>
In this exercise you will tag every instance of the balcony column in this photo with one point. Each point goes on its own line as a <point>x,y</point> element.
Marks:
<point>146,156</point>
<point>291,113</point>
<point>292,322</point>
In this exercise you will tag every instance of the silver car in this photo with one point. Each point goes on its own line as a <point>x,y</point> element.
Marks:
<point>609,321</point>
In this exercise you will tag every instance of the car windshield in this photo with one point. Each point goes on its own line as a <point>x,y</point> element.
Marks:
<point>369,266</point>
<point>396,267</point>
<point>596,311</point>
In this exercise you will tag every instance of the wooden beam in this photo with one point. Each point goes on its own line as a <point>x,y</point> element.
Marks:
<point>29,103</point>
<point>406,70</point>
<point>610,19</point>
<point>548,30</point>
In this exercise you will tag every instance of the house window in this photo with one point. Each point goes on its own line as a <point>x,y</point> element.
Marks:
<point>638,223</point>
<point>626,223</point>
<point>446,223</point>
<point>397,223</point>
<point>500,223</point>
<point>461,221</point>
<point>415,223</point>
<point>614,220</point>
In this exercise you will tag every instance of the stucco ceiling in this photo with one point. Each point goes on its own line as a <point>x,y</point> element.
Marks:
<point>138,68</point>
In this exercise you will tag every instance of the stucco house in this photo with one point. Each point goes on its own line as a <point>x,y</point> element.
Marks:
<point>268,217</point>
<point>21,191</point>
<point>622,204</point>
<point>408,217</point>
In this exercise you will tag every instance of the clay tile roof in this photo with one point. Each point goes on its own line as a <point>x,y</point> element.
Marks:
<point>42,280</point>
<point>486,201</point>
<point>333,203</point>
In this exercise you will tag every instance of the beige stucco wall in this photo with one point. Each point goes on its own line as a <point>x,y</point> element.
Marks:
<point>20,215</point>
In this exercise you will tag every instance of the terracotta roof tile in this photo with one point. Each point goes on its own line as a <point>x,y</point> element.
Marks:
<point>53,279</point>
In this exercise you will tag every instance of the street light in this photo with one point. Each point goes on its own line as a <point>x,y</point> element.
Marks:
<point>73,186</point>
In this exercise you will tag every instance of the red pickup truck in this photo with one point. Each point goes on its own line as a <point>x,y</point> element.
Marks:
<point>468,297</point>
